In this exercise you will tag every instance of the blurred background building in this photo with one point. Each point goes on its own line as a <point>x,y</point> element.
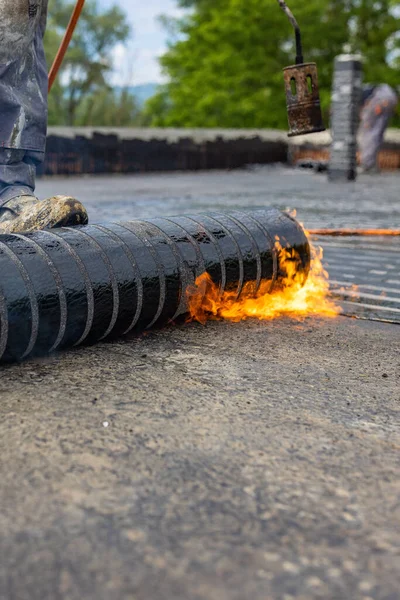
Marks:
<point>206,64</point>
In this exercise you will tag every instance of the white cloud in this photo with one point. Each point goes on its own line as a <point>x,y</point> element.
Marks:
<point>138,62</point>
<point>144,14</point>
<point>134,66</point>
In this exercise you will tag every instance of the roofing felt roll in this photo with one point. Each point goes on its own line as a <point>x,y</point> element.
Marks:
<point>65,287</point>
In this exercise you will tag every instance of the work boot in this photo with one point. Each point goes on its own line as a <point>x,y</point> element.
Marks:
<point>26,213</point>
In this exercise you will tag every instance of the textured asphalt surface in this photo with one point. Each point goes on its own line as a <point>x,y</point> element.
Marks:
<point>372,200</point>
<point>231,461</point>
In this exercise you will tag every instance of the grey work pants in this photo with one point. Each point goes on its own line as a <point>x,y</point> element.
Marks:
<point>23,95</point>
<point>375,117</point>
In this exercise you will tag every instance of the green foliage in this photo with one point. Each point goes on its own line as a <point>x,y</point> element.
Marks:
<point>81,94</point>
<point>376,37</point>
<point>225,66</point>
<point>108,108</point>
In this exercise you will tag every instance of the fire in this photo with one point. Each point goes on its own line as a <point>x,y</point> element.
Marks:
<point>292,299</point>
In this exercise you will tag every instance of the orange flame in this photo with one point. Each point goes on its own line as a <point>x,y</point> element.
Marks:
<point>291,299</point>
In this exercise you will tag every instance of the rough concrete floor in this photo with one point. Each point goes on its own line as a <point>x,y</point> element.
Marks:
<point>254,460</point>
<point>232,461</point>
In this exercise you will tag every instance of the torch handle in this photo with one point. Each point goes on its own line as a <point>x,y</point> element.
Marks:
<point>66,42</point>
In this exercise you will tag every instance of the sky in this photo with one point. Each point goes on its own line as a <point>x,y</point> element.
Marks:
<point>138,64</point>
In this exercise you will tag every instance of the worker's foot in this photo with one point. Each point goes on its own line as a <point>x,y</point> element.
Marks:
<point>27,213</point>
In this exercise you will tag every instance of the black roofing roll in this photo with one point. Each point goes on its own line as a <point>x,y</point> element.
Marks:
<point>66,287</point>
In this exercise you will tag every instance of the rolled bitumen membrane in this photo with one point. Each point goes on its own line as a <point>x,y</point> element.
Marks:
<point>65,287</point>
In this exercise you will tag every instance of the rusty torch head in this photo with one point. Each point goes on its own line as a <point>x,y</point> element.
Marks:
<point>302,92</point>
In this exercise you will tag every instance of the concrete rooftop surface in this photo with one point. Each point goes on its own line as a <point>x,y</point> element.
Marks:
<point>229,461</point>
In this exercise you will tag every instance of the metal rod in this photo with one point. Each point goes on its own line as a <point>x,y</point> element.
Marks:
<point>65,43</point>
<point>356,232</point>
<point>290,16</point>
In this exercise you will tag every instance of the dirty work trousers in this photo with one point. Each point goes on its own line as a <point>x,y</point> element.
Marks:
<point>375,117</point>
<point>23,95</point>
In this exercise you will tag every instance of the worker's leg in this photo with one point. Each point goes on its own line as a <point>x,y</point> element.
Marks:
<point>375,117</point>
<point>23,94</point>
<point>23,121</point>
<point>18,172</point>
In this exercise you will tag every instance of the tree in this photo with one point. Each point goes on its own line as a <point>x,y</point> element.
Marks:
<point>225,66</point>
<point>82,93</point>
<point>108,108</point>
<point>375,35</point>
